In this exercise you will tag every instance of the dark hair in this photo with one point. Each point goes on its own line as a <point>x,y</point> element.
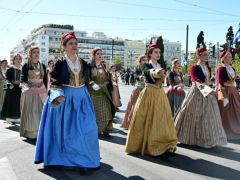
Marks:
<point>50,61</point>
<point>150,51</point>
<point>4,60</point>
<point>14,57</point>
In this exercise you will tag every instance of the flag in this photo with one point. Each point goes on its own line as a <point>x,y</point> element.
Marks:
<point>237,36</point>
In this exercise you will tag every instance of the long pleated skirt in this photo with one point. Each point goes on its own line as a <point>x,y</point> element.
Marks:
<point>152,129</point>
<point>31,109</point>
<point>198,121</point>
<point>68,134</point>
<point>231,113</point>
<point>102,107</point>
<point>130,108</point>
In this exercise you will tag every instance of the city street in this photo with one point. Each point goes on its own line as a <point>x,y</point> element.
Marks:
<point>190,162</point>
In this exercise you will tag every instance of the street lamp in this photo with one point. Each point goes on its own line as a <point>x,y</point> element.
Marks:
<point>131,53</point>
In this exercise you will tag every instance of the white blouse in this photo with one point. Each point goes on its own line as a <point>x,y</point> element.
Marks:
<point>75,67</point>
<point>230,71</point>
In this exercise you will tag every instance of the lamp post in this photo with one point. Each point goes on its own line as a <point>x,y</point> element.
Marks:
<point>112,48</point>
<point>131,53</point>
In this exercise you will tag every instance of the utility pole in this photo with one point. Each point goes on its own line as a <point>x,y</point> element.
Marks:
<point>112,49</point>
<point>186,58</point>
<point>217,57</point>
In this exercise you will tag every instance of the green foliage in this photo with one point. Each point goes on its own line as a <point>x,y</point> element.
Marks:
<point>200,40</point>
<point>236,65</point>
<point>118,63</point>
<point>237,48</point>
<point>230,35</point>
<point>160,44</point>
<point>189,64</point>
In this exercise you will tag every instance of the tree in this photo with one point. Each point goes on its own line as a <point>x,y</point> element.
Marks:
<point>236,65</point>
<point>230,36</point>
<point>229,41</point>
<point>147,46</point>
<point>190,63</point>
<point>118,63</point>
<point>160,44</point>
<point>200,40</point>
<point>237,48</point>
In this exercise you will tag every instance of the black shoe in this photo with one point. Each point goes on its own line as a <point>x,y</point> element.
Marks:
<point>85,171</point>
<point>13,123</point>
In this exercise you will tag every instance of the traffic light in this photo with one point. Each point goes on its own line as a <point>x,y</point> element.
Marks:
<point>212,50</point>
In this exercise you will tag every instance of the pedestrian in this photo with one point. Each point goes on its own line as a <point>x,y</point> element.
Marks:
<point>152,129</point>
<point>175,92</point>
<point>135,93</point>
<point>68,131</point>
<point>127,77</point>
<point>101,93</point>
<point>132,78</point>
<point>49,70</point>
<point>11,105</point>
<point>3,82</point>
<point>228,97</point>
<point>34,93</point>
<point>198,120</point>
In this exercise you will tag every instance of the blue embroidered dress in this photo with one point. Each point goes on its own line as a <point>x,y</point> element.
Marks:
<point>68,134</point>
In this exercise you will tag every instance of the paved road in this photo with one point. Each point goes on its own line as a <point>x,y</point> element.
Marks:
<point>16,159</point>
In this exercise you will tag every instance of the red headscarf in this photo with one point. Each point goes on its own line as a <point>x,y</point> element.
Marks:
<point>153,46</point>
<point>202,49</point>
<point>223,54</point>
<point>67,37</point>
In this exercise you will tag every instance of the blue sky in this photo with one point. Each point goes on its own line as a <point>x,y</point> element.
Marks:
<point>135,19</point>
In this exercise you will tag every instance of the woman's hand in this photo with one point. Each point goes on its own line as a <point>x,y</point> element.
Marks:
<point>162,73</point>
<point>58,100</point>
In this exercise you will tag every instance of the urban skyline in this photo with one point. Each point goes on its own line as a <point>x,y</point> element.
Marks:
<point>135,20</point>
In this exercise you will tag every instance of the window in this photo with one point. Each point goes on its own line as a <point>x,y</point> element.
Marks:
<point>43,50</point>
<point>43,37</point>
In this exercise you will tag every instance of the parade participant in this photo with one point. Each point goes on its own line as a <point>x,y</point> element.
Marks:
<point>34,93</point>
<point>175,93</point>
<point>100,93</point>
<point>50,66</point>
<point>115,91</point>
<point>11,105</point>
<point>68,134</point>
<point>152,129</point>
<point>135,93</point>
<point>49,70</point>
<point>3,71</point>
<point>198,120</point>
<point>228,97</point>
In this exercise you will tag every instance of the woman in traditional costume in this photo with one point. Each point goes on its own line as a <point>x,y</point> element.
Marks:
<point>11,105</point>
<point>175,93</point>
<point>3,86</point>
<point>115,90</point>
<point>102,100</point>
<point>198,120</point>
<point>34,93</point>
<point>152,130</point>
<point>228,97</point>
<point>135,93</point>
<point>68,135</point>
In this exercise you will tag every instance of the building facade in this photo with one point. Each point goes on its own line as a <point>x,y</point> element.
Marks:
<point>171,50</point>
<point>133,49</point>
<point>48,39</point>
